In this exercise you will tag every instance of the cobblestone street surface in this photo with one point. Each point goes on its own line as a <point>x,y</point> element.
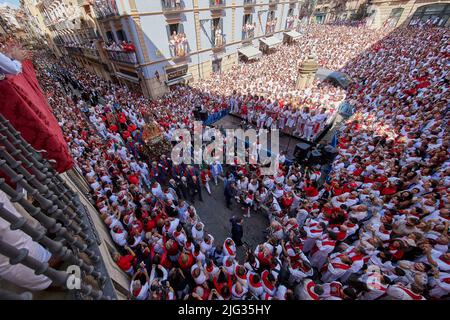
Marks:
<point>216,217</point>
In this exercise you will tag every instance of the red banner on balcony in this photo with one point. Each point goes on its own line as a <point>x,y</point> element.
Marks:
<point>25,106</point>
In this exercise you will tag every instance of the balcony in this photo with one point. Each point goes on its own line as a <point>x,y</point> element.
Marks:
<point>58,206</point>
<point>218,42</point>
<point>172,6</point>
<point>105,15</point>
<point>91,34</point>
<point>270,27</point>
<point>122,57</point>
<point>105,9</point>
<point>249,3</point>
<point>217,4</point>
<point>49,21</point>
<point>74,50</point>
<point>58,42</point>
<point>178,50</point>
<point>290,22</point>
<point>248,32</point>
<point>91,53</point>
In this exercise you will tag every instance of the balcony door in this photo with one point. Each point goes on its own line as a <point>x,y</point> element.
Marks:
<point>217,37</point>
<point>290,19</point>
<point>271,22</point>
<point>177,40</point>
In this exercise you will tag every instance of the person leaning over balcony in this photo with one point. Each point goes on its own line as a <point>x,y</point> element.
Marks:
<point>11,59</point>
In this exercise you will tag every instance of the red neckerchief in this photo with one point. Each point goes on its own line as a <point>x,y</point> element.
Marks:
<point>267,283</point>
<point>309,288</point>
<point>413,295</point>
<point>253,284</point>
<point>342,266</point>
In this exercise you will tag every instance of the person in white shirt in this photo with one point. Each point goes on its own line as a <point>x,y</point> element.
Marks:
<point>10,62</point>
<point>19,274</point>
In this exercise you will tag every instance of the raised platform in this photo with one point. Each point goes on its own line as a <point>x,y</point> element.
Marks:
<point>300,139</point>
<point>287,142</point>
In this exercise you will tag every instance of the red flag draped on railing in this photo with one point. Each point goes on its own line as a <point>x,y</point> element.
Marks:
<point>24,105</point>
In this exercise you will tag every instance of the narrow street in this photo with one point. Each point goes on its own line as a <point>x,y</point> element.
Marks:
<point>216,218</point>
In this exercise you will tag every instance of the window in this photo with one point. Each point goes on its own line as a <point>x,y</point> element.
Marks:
<point>178,43</point>
<point>248,18</point>
<point>394,17</point>
<point>290,20</point>
<point>217,66</point>
<point>175,28</point>
<point>248,27</point>
<point>271,22</point>
<point>109,36</point>
<point>121,35</point>
<point>433,14</point>
<point>217,37</point>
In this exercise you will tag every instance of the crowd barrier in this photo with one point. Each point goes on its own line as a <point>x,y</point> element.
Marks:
<point>213,117</point>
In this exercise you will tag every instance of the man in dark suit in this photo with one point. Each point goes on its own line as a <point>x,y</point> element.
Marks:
<point>229,193</point>
<point>184,187</point>
<point>195,188</point>
<point>176,187</point>
<point>237,232</point>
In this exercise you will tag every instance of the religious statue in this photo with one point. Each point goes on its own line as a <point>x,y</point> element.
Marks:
<point>154,143</point>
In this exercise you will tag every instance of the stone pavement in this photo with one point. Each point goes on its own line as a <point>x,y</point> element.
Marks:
<point>216,217</point>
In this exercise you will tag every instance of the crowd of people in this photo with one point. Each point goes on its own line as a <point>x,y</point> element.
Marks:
<point>269,98</point>
<point>377,228</point>
<point>125,46</point>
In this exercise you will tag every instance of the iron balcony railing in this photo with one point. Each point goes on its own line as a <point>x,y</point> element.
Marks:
<point>62,224</point>
<point>249,2</point>
<point>91,53</point>
<point>122,56</point>
<point>105,9</point>
<point>248,34</point>
<point>91,34</point>
<point>178,47</point>
<point>74,50</point>
<point>172,5</point>
<point>104,15</point>
<point>217,4</point>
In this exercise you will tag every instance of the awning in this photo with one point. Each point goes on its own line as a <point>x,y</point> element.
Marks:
<point>127,77</point>
<point>271,42</point>
<point>250,52</point>
<point>179,79</point>
<point>293,34</point>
